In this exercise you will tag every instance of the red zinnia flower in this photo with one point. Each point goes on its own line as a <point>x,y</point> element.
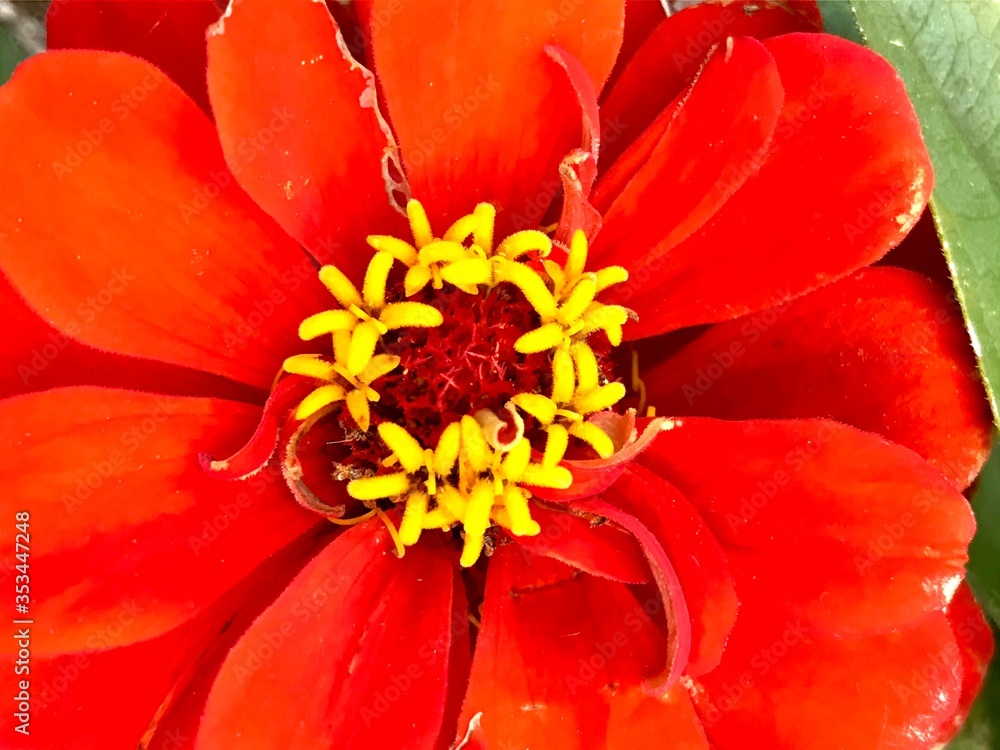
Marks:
<point>567,574</point>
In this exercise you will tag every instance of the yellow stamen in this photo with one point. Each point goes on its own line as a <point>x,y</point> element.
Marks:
<point>376,278</point>
<point>520,521</point>
<point>326,322</point>
<point>364,339</point>
<point>404,446</point>
<point>523,242</point>
<point>416,279</point>
<point>577,257</point>
<point>549,336</point>
<point>340,286</point>
<point>419,224</point>
<point>468,273</point>
<point>599,399</point>
<point>578,300</point>
<point>413,518</point>
<point>563,381</point>
<point>402,251</point>
<point>587,372</point>
<point>309,365</point>
<point>357,405</point>
<point>556,442</point>
<point>380,487</point>
<point>553,477</point>
<point>319,399</point>
<point>609,276</point>
<point>540,407</point>
<point>531,285</point>
<point>410,315</point>
<point>593,436</point>
<point>476,522</point>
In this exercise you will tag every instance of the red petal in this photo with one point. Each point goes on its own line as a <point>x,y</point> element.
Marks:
<point>846,176</point>
<point>156,253</point>
<point>885,351</point>
<point>72,692</point>
<point>552,662</point>
<point>603,550</point>
<point>641,19</point>
<point>359,648</point>
<point>696,556</point>
<point>167,33</point>
<point>678,620</point>
<point>39,357</point>
<point>492,115</point>
<point>717,134</point>
<point>299,126</point>
<point>122,516</point>
<point>974,639</point>
<point>134,680</point>
<point>639,720</point>
<point>821,524</point>
<point>671,56</point>
<point>789,691</point>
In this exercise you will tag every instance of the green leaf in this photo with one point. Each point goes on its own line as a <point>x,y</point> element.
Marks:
<point>838,18</point>
<point>984,552</point>
<point>11,53</point>
<point>982,729</point>
<point>948,52</point>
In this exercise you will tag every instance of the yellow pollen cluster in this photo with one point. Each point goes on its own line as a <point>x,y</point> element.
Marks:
<point>464,480</point>
<point>470,477</point>
<point>568,310</point>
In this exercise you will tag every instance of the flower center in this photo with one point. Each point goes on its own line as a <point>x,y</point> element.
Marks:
<point>461,373</point>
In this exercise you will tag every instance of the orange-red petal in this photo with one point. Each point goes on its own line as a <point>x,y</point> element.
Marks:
<point>124,523</point>
<point>846,176</point>
<point>299,126</point>
<point>555,663</point>
<point>884,350</point>
<point>672,53</point>
<point>696,556</point>
<point>167,33</point>
<point>821,524</point>
<point>666,187</point>
<point>481,112</point>
<point>128,225</point>
<point>352,654</point>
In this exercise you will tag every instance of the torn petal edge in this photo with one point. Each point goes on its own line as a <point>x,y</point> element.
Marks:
<point>390,154</point>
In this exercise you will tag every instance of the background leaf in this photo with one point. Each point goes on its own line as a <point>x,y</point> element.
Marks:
<point>11,53</point>
<point>948,52</point>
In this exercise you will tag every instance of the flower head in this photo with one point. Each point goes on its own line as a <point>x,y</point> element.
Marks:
<point>400,278</point>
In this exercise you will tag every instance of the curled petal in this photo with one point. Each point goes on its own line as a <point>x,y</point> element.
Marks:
<point>254,456</point>
<point>593,476</point>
